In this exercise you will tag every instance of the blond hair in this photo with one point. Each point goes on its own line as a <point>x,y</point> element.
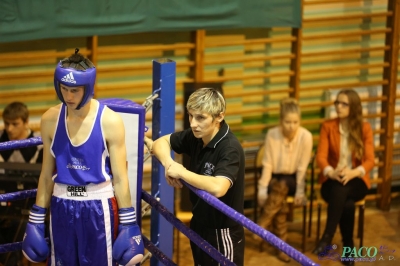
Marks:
<point>289,105</point>
<point>207,100</point>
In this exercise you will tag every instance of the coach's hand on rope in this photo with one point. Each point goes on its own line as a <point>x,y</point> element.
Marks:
<point>128,248</point>
<point>173,174</point>
<point>34,246</point>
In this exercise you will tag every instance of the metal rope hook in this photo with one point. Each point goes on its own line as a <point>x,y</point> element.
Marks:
<point>148,103</point>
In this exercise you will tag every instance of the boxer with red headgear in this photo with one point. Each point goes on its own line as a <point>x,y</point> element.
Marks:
<point>83,179</point>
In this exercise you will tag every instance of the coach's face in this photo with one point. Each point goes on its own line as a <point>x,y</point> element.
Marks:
<point>203,125</point>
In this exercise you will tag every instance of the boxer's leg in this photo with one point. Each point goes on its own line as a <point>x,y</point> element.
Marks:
<point>96,231</point>
<point>62,232</point>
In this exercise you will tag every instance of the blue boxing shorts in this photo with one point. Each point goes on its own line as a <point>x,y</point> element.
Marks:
<point>83,224</point>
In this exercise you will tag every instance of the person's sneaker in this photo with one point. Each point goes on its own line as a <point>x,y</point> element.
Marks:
<point>283,257</point>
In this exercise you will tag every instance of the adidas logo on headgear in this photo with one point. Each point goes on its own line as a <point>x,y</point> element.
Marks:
<point>69,78</point>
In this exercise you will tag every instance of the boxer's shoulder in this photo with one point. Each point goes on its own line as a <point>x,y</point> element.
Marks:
<point>112,125</point>
<point>111,118</point>
<point>52,113</point>
<point>49,120</point>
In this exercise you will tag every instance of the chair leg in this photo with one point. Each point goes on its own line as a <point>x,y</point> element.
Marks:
<point>290,214</point>
<point>361,224</point>
<point>303,238</point>
<point>310,218</point>
<point>260,246</point>
<point>178,247</point>
<point>318,221</point>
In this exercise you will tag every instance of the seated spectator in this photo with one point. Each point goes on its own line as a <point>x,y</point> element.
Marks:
<point>345,156</point>
<point>16,127</point>
<point>288,150</point>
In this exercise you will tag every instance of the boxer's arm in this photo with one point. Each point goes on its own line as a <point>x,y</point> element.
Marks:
<point>46,184</point>
<point>34,245</point>
<point>114,132</point>
<point>128,248</point>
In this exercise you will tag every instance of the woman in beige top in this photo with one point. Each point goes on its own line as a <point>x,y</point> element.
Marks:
<point>288,150</point>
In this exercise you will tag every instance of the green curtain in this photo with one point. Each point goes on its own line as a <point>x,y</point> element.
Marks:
<point>22,20</point>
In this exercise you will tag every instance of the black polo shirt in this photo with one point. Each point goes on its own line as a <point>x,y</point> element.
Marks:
<point>223,156</point>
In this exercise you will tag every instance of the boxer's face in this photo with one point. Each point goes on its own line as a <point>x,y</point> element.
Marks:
<point>203,125</point>
<point>16,129</point>
<point>72,95</point>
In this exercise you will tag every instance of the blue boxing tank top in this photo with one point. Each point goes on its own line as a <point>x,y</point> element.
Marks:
<point>88,162</point>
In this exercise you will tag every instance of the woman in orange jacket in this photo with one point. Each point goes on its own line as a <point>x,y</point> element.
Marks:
<point>345,156</point>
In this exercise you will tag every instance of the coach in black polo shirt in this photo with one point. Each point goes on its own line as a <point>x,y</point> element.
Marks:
<point>216,166</point>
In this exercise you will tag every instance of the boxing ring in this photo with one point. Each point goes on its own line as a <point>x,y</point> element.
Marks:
<point>161,200</point>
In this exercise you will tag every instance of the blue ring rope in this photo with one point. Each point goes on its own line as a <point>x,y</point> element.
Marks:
<point>18,144</point>
<point>19,195</point>
<point>157,253</point>
<point>253,227</point>
<point>193,236</point>
<point>240,218</point>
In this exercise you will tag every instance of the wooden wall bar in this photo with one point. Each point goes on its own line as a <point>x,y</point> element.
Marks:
<point>388,106</point>
<point>342,44</point>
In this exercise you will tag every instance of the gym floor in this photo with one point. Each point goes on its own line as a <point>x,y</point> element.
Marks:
<point>380,229</point>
